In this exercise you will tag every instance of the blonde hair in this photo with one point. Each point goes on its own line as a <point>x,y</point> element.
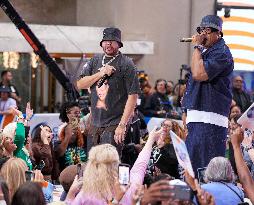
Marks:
<point>102,168</point>
<point>9,130</point>
<point>13,172</point>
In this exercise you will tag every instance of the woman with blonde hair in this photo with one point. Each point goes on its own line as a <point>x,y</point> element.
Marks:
<point>7,145</point>
<point>15,134</point>
<point>13,172</point>
<point>100,179</point>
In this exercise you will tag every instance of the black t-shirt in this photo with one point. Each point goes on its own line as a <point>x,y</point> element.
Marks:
<point>165,159</point>
<point>157,102</point>
<point>108,101</point>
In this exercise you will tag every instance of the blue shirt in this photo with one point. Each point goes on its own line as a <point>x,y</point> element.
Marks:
<point>213,95</point>
<point>222,194</point>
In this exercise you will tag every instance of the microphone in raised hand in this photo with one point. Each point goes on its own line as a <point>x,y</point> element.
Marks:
<point>108,71</point>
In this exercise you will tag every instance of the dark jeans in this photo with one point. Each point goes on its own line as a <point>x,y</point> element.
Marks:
<point>103,135</point>
<point>204,142</point>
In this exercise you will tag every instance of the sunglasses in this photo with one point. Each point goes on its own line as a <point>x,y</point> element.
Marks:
<point>208,30</point>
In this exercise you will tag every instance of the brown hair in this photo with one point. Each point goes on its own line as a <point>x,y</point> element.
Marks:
<point>176,128</point>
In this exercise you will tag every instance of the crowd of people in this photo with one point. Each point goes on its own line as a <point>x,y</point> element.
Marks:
<point>90,148</point>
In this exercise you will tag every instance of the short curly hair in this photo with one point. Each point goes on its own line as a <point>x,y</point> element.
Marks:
<point>63,110</point>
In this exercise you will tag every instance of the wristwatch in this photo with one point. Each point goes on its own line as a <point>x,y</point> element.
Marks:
<point>199,47</point>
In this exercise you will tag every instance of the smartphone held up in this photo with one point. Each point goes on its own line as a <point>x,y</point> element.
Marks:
<point>124,174</point>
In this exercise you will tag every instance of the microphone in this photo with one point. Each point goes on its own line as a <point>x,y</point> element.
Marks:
<point>102,80</point>
<point>186,40</point>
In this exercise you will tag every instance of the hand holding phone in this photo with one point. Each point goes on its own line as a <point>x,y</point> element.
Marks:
<point>181,192</point>
<point>201,175</point>
<point>124,174</point>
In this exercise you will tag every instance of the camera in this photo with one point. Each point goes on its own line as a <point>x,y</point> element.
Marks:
<point>181,192</point>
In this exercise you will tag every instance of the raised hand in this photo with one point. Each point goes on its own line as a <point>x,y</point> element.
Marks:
<point>29,111</point>
<point>237,136</point>
<point>46,136</point>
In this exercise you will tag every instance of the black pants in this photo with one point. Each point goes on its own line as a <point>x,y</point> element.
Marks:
<point>103,135</point>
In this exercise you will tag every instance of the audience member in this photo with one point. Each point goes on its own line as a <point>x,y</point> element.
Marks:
<point>163,154</point>
<point>234,111</point>
<point>178,93</point>
<point>67,177</point>
<point>170,88</point>
<point>246,146</point>
<point>4,193</point>
<point>242,169</point>
<point>13,172</point>
<point>241,97</point>
<point>102,167</point>
<point>200,195</point>
<point>16,132</point>
<point>70,149</point>
<point>145,87</point>
<point>6,102</point>
<point>29,193</point>
<point>220,179</point>
<point>7,145</point>
<point>42,149</point>
<point>146,92</point>
<point>158,104</point>
<point>229,149</point>
<point>6,77</point>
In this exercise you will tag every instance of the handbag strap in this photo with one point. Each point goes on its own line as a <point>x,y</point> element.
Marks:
<point>233,191</point>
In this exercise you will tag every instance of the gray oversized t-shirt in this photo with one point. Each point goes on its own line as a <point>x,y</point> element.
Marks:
<point>108,101</point>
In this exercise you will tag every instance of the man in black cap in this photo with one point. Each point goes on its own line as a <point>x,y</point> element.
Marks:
<point>114,99</point>
<point>208,95</point>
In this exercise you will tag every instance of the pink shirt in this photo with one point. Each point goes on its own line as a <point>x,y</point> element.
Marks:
<point>137,174</point>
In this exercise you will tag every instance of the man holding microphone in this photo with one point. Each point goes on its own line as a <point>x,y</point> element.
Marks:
<point>112,79</point>
<point>208,95</point>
